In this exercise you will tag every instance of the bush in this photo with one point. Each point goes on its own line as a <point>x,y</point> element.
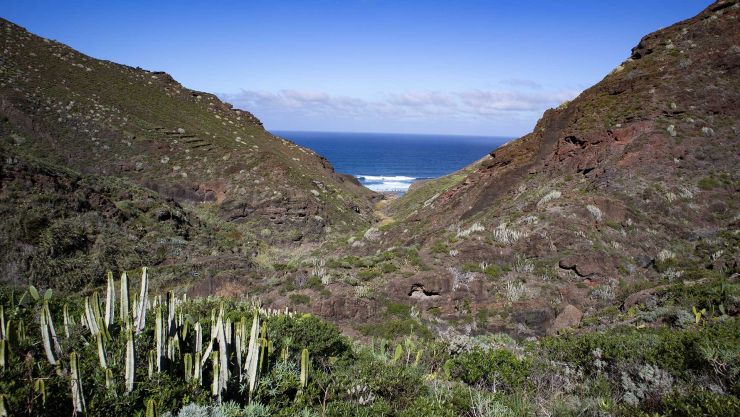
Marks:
<point>428,407</point>
<point>397,384</point>
<point>323,340</point>
<point>701,403</point>
<point>299,299</point>
<point>498,367</point>
<point>392,329</point>
<point>677,351</point>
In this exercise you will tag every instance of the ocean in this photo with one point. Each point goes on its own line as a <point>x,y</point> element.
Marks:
<point>392,162</point>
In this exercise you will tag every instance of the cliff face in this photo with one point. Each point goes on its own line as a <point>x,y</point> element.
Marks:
<point>102,118</point>
<point>633,178</point>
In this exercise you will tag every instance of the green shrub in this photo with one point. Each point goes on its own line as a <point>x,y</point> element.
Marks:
<point>368,274</point>
<point>677,351</point>
<point>315,283</point>
<point>701,403</point>
<point>299,299</point>
<point>393,329</point>
<point>493,271</point>
<point>346,408</point>
<point>428,407</point>
<point>440,247</point>
<point>708,183</point>
<point>496,367</point>
<point>397,384</point>
<point>388,267</point>
<point>397,309</point>
<point>323,340</point>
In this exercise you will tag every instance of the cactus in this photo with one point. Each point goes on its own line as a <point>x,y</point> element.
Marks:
<point>110,302</point>
<point>222,350</point>
<point>263,354</point>
<point>215,388</point>
<point>123,311</point>
<point>101,351</point>
<point>130,358</point>
<point>110,382</point>
<point>92,323</point>
<point>286,348</point>
<point>397,354</point>
<point>304,368</point>
<point>159,336</point>
<point>238,347</point>
<point>21,331</point>
<point>3,357</point>
<point>698,313</point>
<point>251,365</point>
<point>66,319</point>
<point>171,310</point>
<point>152,355</point>
<point>2,322</point>
<point>78,398</point>
<point>198,372</point>
<point>418,357</point>
<point>11,334</point>
<point>97,314</point>
<point>188,366</point>
<point>184,328</point>
<point>52,331</point>
<point>40,387</point>
<point>46,337</point>
<point>151,408</point>
<point>34,293</point>
<point>141,314</point>
<point>198,338</point>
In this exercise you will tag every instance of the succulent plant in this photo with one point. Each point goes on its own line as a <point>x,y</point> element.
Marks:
<point>251,366</point>
<point>304,368</point>
<point>142,304</point>
<point>110,302</point>
<point>40,387</point>
<point>3,353</point>
<point>101,351</point>
<point>130,360</point>
<point>123,311</point>
<point>78,398</point>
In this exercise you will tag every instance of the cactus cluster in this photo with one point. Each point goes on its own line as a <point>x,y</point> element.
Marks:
<point>233,349</point>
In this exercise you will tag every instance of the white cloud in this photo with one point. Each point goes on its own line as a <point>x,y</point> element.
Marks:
<point>410,106</point>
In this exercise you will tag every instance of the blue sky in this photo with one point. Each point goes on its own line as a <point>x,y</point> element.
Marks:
<point>452,67</point>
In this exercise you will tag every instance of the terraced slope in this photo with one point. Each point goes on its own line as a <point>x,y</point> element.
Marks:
<point>99,117</point>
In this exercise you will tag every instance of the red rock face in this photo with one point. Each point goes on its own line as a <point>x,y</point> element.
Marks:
<point>623,166</point>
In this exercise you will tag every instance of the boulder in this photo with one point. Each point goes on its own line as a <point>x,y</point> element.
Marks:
<point>584,266</point>
<point>568,318</point>
<point>645,297</point>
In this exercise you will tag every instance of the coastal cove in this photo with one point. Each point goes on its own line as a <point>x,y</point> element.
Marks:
<point>391,162</point>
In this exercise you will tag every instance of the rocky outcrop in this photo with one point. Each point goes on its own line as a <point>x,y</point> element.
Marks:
<point>569,317</point>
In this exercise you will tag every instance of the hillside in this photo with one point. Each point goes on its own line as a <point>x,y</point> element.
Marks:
<point>161,254</point>
<point>631,185</point>
<point>98,117</point>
